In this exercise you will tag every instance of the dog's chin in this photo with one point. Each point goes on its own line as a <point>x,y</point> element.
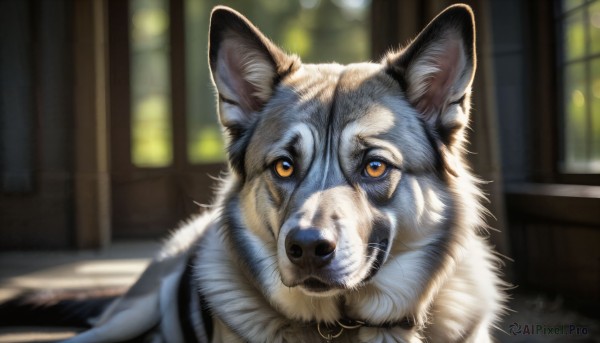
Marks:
<point>331,282</point>
<point>317,288</point>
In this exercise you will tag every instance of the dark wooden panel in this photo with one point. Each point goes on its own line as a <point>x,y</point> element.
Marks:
<point>120,120</point>
<point>55,80</point>
<point>43,218</point>
<point>568,204</point>
<point>177,66</point>
<point>394,24</point>
<point>146,206</point>
<point>16,97</point>
<point>91,173</point>
<point>198,187</point>
<point>555,235</point>
<point>151,204</point>
<point>542,90</point>
<point>559,259</point>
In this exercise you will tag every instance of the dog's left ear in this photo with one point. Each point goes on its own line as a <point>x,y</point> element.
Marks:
<point>436,71</point>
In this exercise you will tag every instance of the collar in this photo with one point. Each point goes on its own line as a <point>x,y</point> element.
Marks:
<point>330,331</point>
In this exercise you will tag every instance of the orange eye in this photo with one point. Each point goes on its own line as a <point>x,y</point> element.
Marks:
<point>284,168</point>
<point>375,169</point>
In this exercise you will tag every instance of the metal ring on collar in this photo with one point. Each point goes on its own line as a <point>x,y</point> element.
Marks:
<point>329,336</point>
<point>355,324</point>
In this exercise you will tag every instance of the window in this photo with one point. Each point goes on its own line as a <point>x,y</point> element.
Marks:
<point>579,60</point>
<point>151,136</point>
<point>317,30</point>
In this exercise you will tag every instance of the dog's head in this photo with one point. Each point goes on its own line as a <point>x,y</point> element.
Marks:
<point>340,167</point>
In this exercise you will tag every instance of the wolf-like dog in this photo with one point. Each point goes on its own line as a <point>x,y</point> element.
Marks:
<point>348,213</point>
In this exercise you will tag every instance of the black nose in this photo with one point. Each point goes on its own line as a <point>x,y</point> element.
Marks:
<point>310,248</point>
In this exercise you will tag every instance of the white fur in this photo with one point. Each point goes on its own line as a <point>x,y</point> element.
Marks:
<point>438,271</point>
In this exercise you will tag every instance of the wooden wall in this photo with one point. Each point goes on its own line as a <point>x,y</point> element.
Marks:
<point>36,125</point>
<point>555,238</point>
<point>54,190</point>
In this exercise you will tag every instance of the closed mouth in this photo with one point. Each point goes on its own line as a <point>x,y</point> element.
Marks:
<point>315,285</point>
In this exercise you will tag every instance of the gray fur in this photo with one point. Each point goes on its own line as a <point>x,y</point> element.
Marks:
<point>407,244</point>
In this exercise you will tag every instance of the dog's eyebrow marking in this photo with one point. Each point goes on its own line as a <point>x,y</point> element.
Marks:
<point>307,136</point>
<point>360,140</point>
<point>383,147</point>
<point>286,147</point>
<point>292,146</point>
<point>297,144</point>
<point>227,100</point>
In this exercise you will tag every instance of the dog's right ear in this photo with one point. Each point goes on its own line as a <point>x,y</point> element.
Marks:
<point>436,71</point>
<point>245,67</point>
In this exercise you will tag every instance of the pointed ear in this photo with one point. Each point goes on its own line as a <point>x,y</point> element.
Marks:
<point>436,71</point>
<point>245,68</point>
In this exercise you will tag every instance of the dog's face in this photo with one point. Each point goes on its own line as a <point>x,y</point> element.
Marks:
<point>341,167</point>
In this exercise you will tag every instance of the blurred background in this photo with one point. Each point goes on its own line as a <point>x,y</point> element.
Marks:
<point>108,130</point>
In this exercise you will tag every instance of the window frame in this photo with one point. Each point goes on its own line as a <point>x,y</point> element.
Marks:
<point>557,16</point>
<point>548,194</point>
<point>546,82</point>
<point>172,191</point>
<point>121,97</point>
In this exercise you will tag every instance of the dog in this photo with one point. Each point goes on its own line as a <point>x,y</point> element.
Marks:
<point>348,214</point>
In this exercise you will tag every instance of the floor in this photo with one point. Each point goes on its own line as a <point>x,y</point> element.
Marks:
<point>117,266</point>
<point>539,319</point>
<point>534,319</point>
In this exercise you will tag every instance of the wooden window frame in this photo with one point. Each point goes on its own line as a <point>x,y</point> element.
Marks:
<point>549,82</point>
<point>121,97</point>
<point>174,190</point>
<point>551,195</point>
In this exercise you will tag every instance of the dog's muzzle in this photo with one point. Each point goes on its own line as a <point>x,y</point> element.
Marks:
<point>310,249</point>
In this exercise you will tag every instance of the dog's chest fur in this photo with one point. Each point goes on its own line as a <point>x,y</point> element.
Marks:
<point>242,312</point>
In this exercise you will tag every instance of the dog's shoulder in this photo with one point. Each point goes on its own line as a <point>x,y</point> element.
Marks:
<point>152,306</point>
<point>186,238</point>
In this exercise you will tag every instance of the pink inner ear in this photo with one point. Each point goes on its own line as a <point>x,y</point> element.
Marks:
<point>231,71</point>
<point>441,83</point>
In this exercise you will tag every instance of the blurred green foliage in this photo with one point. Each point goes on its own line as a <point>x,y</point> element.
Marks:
<point>151,136</point>
<point>581,86</point>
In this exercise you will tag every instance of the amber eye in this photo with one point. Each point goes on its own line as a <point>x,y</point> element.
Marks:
<point>284,168</point>
<point>375,169</point>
